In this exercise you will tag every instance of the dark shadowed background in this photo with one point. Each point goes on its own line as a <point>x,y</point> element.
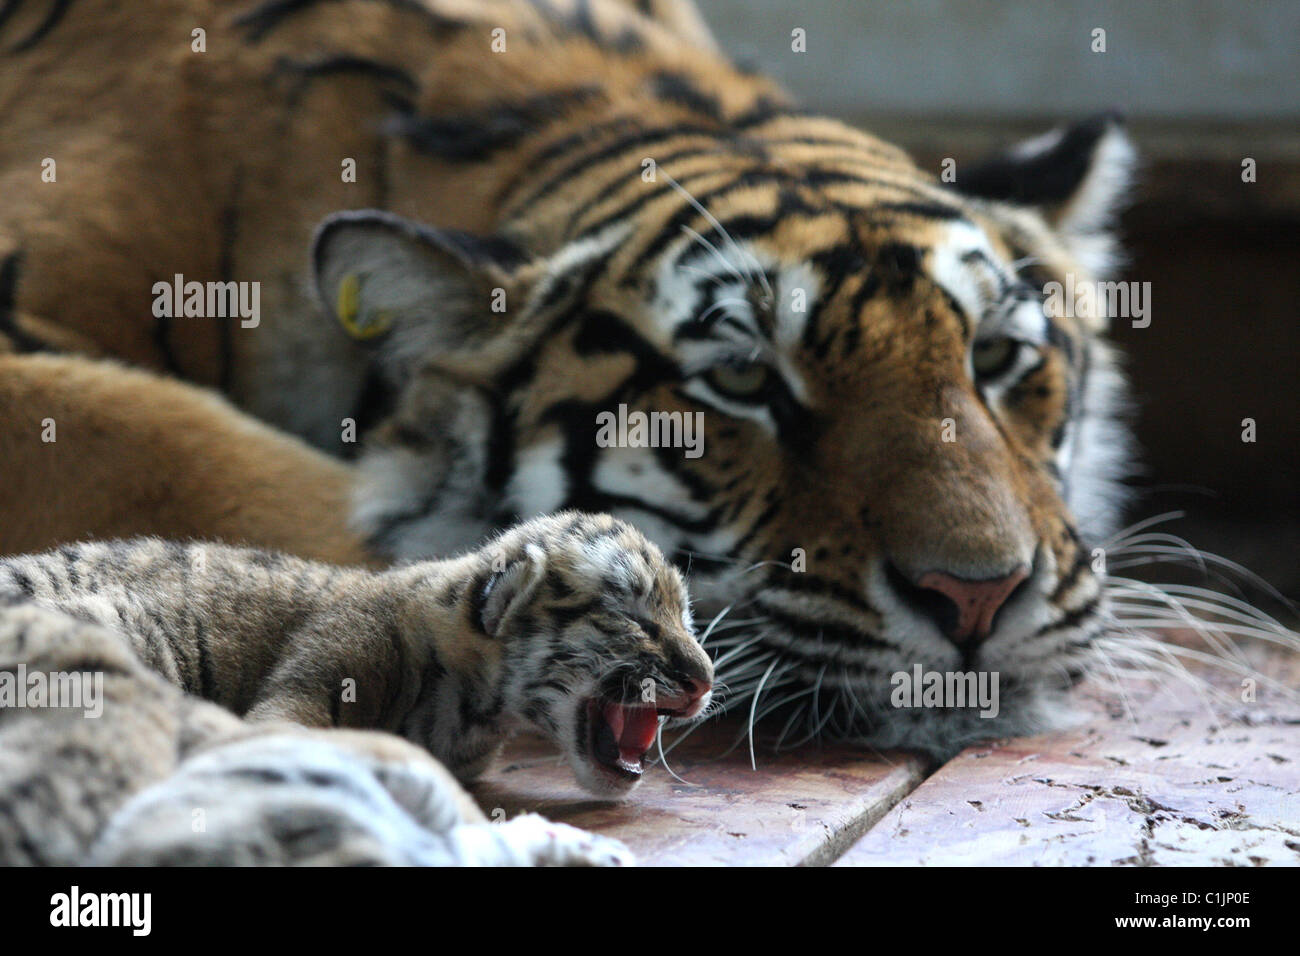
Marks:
<point>1204,85</point>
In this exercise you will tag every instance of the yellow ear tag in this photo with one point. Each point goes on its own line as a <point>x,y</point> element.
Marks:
<point>358,324</point>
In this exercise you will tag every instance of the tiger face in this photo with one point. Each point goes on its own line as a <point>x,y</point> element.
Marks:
<point>828,384</point>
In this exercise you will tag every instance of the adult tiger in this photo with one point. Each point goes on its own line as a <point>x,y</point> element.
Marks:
<point>904,454</point>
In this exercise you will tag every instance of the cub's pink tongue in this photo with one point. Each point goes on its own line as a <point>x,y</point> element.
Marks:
<point>634,729</point>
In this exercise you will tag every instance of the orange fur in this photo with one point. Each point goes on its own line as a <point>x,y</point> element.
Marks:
<point>135,454</point>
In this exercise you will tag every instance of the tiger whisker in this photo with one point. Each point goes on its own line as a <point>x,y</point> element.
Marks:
<point>711,276</point>
<point>1116,540</point>
<point>722,231</point>
<point>743,278</point>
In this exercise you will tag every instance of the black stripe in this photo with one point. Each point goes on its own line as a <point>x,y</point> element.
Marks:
<point>583,22</point>
<point>1072,619</point>
<point>23,581</point>
<point>22,341</point>
<point>899,266</point>
<point>580,22</point>
<point>764,110</point>
<point>967,326</point>
<point>569,145</point>
<point>644,198</point>
<point>478,594</point>
<point>680,90</point>
<point>701,490</point>
<point>52,17</point>
<point>580,162</point>
<point>820,177</point>
<point>70,558</point>
<point>831,632</point>
<point>168,637</point>
<point>396,677</point>
<point>764,518</point>
<point>603,501</point>
<point>1060,339</point>
<point>207,683</point>
<point>304,71</point>
<point>837,263</point>
<point>1081,561</point>
<point>741,227</point>
<point>796,581</point>
<point>229,237</point>
<point>924,210</point>
<point>475,136</point>
<point>162,333</point>
<point>624,179</point>
<point>263,19</point>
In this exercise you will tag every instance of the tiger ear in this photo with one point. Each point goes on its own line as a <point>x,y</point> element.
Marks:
<point>414,292</point>
<point>508,591</point>
<point>423,297</point>
<point>1078,177</point>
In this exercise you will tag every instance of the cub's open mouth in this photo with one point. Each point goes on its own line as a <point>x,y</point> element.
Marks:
<point>619,735</point>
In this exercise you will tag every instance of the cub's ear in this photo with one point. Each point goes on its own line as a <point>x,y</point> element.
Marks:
<point>508,591</point>
<point>412,291</point>
<point>1077,176</point>
<point>466,304</point>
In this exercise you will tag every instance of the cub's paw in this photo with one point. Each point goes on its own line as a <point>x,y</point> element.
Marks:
<point>601,644</point>
<point>288,799</point>
<point>532,840</point>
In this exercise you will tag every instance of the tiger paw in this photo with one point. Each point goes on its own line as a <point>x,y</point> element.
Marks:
<point>532,840</point>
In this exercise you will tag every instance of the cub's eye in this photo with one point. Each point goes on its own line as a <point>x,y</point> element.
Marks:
<point>993,357</point>
<point>745,381</point>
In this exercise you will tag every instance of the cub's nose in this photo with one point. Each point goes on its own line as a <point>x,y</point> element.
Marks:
<point>962,608</point>
<point>693,699</point>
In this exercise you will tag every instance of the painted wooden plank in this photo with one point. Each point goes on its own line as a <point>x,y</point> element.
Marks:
<point>1181,786</point>
<point>795,809</point>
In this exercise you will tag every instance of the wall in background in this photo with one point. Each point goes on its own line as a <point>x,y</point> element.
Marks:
<point>1165,59</point>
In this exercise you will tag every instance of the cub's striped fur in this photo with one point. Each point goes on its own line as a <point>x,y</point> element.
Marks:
<point>563,208</point>
<point>212,789</point>
<point>571,625</point>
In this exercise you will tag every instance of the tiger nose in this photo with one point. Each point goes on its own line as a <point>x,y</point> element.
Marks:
<point>975,603</point>
<point>695,695</point>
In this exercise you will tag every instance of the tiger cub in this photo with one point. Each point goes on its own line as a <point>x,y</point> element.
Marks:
<point>571,625</point>
<point>137,772</point>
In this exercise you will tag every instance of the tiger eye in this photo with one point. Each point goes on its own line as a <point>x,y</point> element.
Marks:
<point>740,381</point>
<point>992,357</point>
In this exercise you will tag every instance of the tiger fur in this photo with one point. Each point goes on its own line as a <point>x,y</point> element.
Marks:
<point>573,626</point>
<point>163,778</point>
<point>907,460</point>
